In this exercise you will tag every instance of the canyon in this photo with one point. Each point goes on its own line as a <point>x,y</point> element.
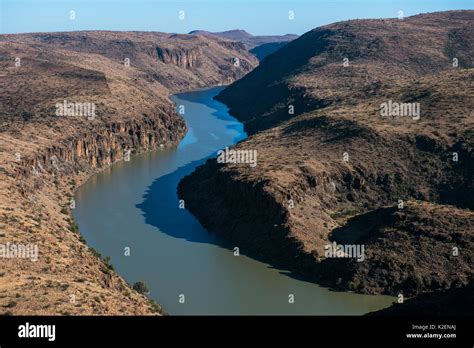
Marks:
<point>331,168</point>
<point>128,77</point>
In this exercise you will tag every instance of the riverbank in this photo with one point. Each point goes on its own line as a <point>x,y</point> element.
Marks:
<point>44,201</point>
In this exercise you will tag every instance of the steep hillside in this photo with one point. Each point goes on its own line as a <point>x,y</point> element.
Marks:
<point>47,151</point>
<point>310,72</point>
<point>264,50</point>
<point>337,170</point>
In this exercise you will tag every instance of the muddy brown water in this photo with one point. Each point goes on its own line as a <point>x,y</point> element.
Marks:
<point>134,205</point>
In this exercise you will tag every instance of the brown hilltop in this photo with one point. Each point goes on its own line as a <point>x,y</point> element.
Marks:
<point>133,112</point>
<point>301,156</point>
<point>178,62</point>
<point>308,74</point>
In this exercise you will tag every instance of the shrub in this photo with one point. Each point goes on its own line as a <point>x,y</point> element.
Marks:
<point>95,252</point>
<point>11,304</point>
<point>156,308</point>
<point>26,116</point>
<point>73,227</point>
<point>141,288</point>
<point>354,284</point>
<point>107,262</point>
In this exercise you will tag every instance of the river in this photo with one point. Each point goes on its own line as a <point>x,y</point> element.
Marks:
<point>134,205</point>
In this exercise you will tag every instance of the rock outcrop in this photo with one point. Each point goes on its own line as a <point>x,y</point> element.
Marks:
<point>181,58</point>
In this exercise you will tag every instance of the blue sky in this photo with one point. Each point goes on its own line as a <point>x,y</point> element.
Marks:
<point>255,16</point>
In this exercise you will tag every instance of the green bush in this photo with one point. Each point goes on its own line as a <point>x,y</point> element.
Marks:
<point>141,288</point>
<point>156,308</point>
<point>108,264</point>
<point>95,252</point>
<point>73,227</point>
<point>354,284</point>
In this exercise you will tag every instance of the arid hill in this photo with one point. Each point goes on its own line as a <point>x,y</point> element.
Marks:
<point>310,73</point>
<point>177,61</point>
<point>46,152</point>
<point>337,170</point>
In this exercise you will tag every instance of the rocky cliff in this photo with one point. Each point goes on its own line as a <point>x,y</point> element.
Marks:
<point>180,58</point>
<point>177,62</point>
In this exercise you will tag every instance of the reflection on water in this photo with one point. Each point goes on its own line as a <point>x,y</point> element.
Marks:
<point>134,204</point>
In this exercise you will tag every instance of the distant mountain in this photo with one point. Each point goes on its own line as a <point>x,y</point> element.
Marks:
<point>236,34</point>
<point>250,41</point>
